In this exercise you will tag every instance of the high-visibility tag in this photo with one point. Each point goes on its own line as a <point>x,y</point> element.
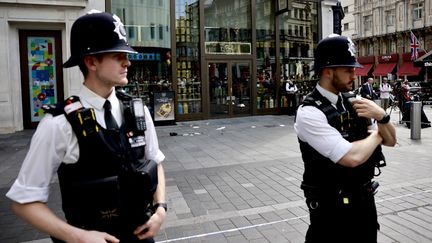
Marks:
<point>345,200</point>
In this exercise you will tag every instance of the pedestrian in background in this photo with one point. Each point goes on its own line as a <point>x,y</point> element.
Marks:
<point>341,148</point>
<point>291,89</point>
<point>385,90</point>
<point>367,90</point>
<point>94,146</point>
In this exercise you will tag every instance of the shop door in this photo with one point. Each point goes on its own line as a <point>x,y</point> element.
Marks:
<point>230,86</point>
<point>41,73</point>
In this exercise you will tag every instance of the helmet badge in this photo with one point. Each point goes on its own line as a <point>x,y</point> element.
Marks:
<point>351,47</point>
<point>119,28</point>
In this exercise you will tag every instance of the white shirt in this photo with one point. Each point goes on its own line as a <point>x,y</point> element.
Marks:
<point>385,90</point>
<point>290,88</point>
<point>312,127</point>
<point>55,142</point>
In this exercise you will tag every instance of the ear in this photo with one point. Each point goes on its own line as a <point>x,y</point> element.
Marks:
<point>327,73</point>
<point>89,61</point>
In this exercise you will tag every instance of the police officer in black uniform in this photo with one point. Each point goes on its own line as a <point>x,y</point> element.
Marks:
<point>340,137</point>
<point>103,146</point>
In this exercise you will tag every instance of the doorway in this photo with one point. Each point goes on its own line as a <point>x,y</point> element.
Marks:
<point>230,88</point>
<point>41,72</point>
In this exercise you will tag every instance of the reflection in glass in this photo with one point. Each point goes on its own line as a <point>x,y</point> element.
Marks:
<point>298,31</point>
<point>227,26</point>
<point>218,78</point>
<point>266,67</point>
<point>147,25</point>
<point>241,88</point>
<point>187,54</point>
<point>140,19</point>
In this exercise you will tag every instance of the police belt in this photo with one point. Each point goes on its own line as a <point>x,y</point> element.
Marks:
<point>329,193</point>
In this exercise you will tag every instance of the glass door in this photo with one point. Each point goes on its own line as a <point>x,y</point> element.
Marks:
<point>218,80</point>
<point>230,87</point>
<point>241,83</point>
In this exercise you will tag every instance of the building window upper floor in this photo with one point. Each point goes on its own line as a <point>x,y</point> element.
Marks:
<point>367,23</point>
<point>390,17</point>
<point>417,11</point>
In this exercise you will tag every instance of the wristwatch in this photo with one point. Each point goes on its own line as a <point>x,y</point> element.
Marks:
<point>164,205</point>
<point>385,119</point>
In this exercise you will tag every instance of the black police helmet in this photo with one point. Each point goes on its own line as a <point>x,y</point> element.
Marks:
<point>96,32</point>
<point>335,51</point>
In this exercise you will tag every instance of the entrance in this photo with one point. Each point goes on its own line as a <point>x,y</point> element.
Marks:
<point>41,72</point>
<point>230,88</point>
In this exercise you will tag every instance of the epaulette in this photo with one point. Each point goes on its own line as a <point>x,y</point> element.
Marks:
<point>54,110</point>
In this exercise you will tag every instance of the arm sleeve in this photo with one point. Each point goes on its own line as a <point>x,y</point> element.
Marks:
<point>152,151</point>
<point>48,148</point>
<point>312,127</point>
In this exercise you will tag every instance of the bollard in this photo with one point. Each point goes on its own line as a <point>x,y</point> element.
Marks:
<point>415,119</point>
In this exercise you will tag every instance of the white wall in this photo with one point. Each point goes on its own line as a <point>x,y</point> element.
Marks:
<point>37,15</point>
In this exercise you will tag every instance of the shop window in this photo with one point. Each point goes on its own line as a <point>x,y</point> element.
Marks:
<point>189,83</point>
<point>227,27</point>
<point>142,20</point>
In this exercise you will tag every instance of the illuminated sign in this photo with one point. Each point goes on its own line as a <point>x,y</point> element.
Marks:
<point>144,56</point>
<point>218,47</point>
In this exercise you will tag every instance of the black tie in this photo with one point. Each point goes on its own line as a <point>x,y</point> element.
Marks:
<point>339,104</point>
<point>110,122</point>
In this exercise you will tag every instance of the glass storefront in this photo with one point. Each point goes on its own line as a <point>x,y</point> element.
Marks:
<point>148,29</point>
<point>229,57</point>
<point>227,27</point>
<point>266,54</point>
<point>298,35</point>
<point>189,82</point>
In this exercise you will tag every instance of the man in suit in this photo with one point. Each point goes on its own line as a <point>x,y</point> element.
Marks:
<point>367,90</point>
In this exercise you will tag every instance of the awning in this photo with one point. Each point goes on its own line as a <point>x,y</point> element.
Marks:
<point>408,69</point>
<point>382,69</point>
<point>365,70</point>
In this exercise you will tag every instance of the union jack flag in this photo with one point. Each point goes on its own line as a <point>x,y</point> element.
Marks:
<point>415,46</point>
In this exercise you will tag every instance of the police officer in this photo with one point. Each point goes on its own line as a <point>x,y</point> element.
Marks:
<point>93,143</point>
<point>339,151</point>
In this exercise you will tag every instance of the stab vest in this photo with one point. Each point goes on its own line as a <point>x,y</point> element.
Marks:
<point>91,198</point>
<point>321,172</point>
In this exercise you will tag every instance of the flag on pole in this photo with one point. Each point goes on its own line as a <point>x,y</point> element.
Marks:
<point>415,46</point>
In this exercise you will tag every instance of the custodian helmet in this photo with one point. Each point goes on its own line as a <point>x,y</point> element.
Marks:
<point>335,51</point>
<point>96,32</point>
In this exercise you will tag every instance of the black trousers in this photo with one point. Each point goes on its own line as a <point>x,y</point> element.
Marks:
<point>353,219</point>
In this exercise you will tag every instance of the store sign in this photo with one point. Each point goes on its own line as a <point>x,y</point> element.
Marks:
<point>219,47</point>
<point>144,56</point>
<point>428,64</point>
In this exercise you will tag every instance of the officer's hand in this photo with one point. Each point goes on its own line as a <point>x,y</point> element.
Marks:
<point>152,226</point>
<point>368,108</point>
<point>84,236</point>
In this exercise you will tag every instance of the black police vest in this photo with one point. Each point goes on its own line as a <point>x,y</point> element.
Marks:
<point>91,198</point>
<point>321,172</point>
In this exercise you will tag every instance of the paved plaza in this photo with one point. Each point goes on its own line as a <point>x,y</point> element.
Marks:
<point>237,180</point>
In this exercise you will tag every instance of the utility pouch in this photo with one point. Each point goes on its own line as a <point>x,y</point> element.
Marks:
<point>137,185</point>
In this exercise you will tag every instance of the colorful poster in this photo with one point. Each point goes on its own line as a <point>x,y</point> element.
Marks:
<point>163,106</point>
<point>42,76</point>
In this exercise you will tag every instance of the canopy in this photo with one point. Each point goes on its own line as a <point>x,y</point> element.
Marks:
<point>382,69</point>
<point>408,69</point>
<point>365,70</point>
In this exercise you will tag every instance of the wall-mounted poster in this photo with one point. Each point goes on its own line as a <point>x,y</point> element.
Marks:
<point>163,106</point>
<point>42,74</point>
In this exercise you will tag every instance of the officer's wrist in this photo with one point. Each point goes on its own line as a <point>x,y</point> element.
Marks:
<point>161,205</point>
